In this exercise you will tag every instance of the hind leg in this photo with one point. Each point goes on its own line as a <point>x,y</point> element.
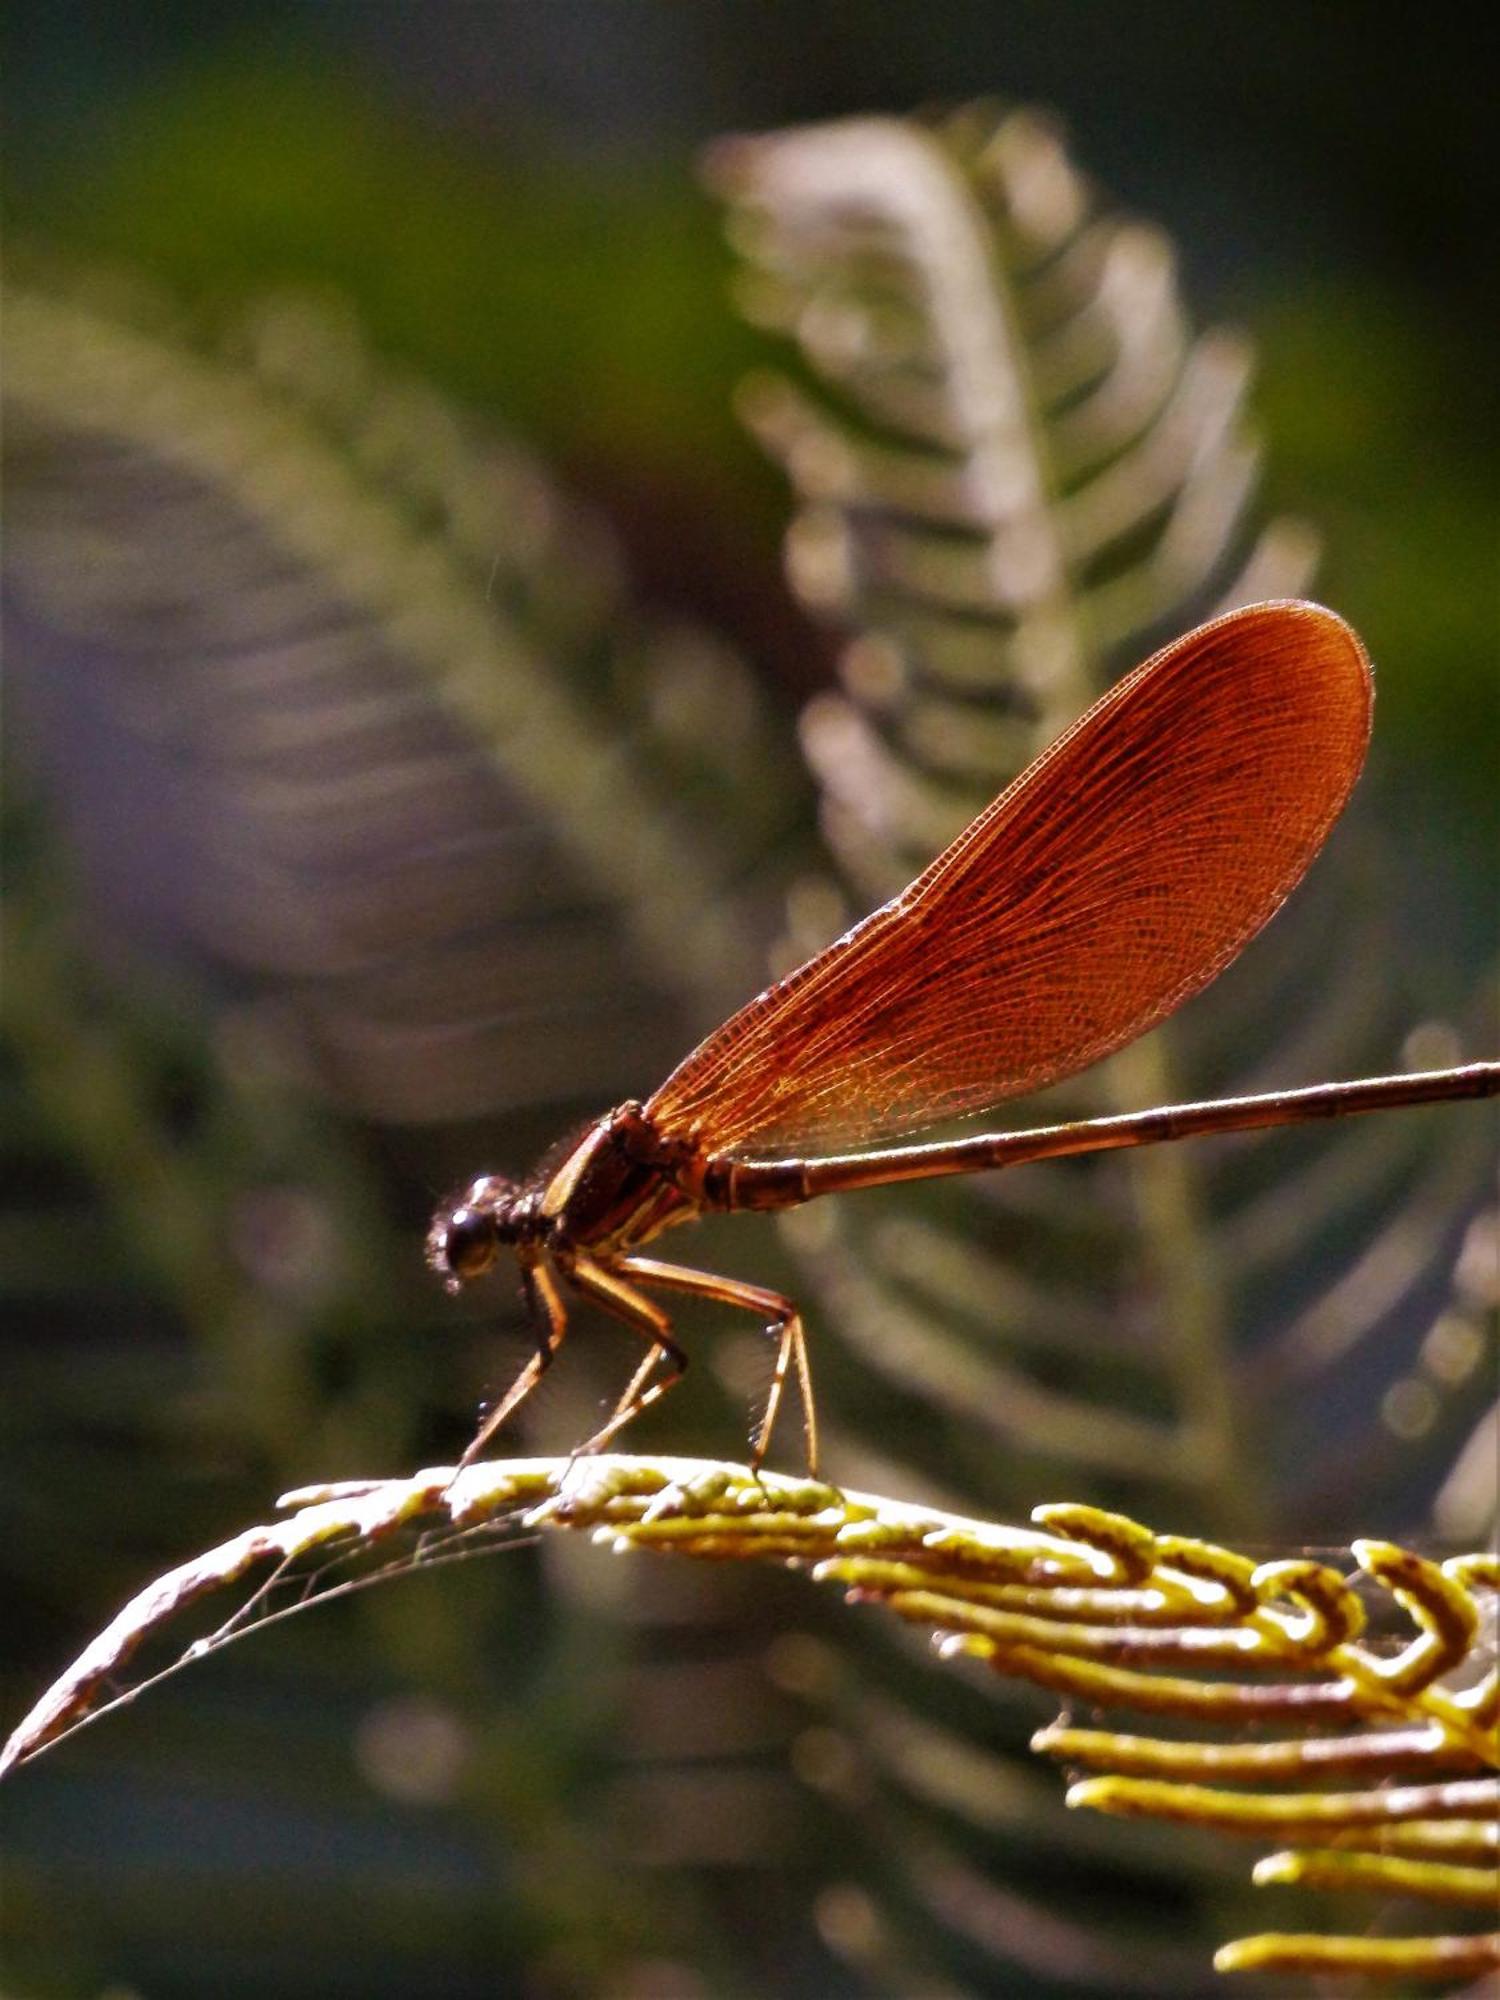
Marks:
<point>783,1319</point>
<point>602,1284</point>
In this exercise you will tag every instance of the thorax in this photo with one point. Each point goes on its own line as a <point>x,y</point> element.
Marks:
<point>618,1187</point>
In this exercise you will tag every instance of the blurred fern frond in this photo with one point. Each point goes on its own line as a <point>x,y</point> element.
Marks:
<point>360,746</point>
<point>1018,469</point>
<point>1086,1603</point>
<point>314,620</point>
<point>388,752</point>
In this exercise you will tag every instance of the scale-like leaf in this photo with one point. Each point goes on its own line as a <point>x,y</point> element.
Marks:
<point>1372,1743</point>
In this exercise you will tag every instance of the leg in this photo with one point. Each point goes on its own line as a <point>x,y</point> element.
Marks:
<point>601,1283</point>
<point>785,1321</point>
<point>550,1318</point>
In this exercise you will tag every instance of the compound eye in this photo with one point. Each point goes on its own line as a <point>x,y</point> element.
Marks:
<point>470,1242</point>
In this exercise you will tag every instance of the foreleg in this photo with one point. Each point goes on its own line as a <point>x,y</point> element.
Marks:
<point>549,1317</point>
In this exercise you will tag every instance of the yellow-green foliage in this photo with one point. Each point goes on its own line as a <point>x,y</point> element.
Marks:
<point>1371,1764</point>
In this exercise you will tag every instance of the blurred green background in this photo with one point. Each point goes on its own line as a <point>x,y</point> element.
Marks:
<point>539,1775</point>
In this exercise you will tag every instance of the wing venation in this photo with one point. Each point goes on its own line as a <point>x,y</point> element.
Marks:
<point>1118,875</point>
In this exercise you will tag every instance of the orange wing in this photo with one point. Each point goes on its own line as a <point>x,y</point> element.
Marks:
<point>1118,874</point>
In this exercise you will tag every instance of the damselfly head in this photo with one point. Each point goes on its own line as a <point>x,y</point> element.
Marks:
<point>469,1229</point>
